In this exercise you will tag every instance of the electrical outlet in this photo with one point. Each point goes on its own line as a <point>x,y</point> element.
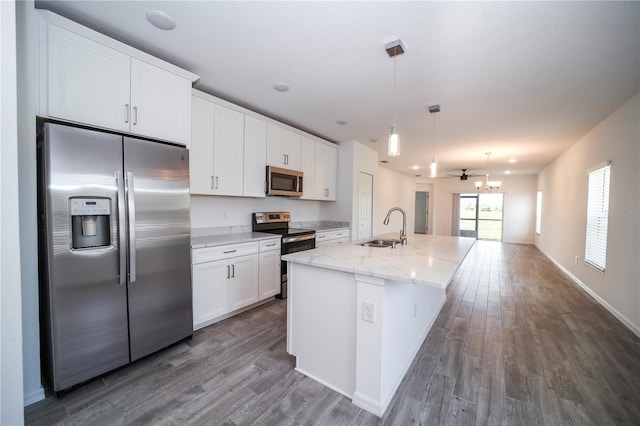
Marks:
<point>368,311</point>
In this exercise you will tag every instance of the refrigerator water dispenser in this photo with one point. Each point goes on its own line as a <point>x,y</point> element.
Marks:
<point>90,222</point>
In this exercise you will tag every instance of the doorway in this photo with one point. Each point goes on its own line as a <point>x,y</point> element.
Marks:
<point>421,221</point>
<point>481,216</point>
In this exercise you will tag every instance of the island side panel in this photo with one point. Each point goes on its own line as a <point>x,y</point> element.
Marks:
<point>404,312</point>
<point>409,313</point>
<point>321,312</point>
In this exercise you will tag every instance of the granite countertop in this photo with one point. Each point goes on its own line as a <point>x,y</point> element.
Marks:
<point>213,240</point>
<point>426,259</point>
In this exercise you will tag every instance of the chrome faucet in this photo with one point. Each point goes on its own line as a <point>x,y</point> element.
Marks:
<point>403,231</point>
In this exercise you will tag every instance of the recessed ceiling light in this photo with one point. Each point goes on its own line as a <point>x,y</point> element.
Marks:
<point>416,167</point>
<point>281,87</point>
<point>512,160</point>
<point>384,161</point>
<point>342,122</point>
<point>373,140</point>
<point>418,175</point>
<point>160,20</point>
<point>507,172</point>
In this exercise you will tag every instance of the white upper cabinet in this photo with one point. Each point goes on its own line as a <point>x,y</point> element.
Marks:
<point>201,150</point>
<point>231,147</point>
<point>326,170</point>
<point>160,103</point>
<point>88,82</point>
<point>228,151</point>
<point>91,79</point>
<point>283,147</point>
<point>255,156</point>
<point>307,166</point>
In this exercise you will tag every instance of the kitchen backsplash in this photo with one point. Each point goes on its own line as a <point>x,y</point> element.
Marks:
<point>234,213</point>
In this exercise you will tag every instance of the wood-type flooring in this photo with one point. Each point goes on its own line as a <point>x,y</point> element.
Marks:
<point>517,343</point>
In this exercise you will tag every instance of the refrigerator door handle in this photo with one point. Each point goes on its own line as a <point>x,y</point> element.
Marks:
<point>131,207</point>
<point>122,225</point>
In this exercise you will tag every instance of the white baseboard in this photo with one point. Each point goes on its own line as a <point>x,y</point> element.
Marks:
<point>368,404</point>
<point>33,396</point>
<point>322,382</point>
<point>630,325</point>
<point>530,243</point>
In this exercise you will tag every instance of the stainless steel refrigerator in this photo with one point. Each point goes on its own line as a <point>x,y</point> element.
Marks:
<point>115,262</point>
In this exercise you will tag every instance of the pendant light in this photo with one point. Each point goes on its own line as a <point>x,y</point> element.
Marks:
<point>433,109</point>
<point>394,48</point>
<point>489,185</point>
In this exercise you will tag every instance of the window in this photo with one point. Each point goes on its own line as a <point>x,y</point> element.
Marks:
<point>481,216</point>
<point>595,253</point>
<point>538,211</point>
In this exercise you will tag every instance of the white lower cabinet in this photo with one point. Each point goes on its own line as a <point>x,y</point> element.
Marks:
<point>210,291</point>
<point>231,277</point>
<point>269,273</point>
<point>338,236</point>
<point>243,281</point>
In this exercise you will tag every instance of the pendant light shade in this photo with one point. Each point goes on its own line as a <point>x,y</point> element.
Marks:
<point>393,49</point>
<point>433,109</point>
<point>394,142</point>
<point>434,167</point>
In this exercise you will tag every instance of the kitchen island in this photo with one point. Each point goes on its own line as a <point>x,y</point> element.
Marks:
<point>356,316</point>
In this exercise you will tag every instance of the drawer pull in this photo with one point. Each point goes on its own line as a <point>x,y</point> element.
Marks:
<point>229,251</point>
<point>270,245</point>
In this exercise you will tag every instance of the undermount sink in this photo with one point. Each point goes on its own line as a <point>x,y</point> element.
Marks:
<point>381,243</point>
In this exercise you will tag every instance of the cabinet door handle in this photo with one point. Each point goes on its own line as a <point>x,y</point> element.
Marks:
<point>233,271</point>
<point>126,108</point>
<point>320,237</point>
<point>229,251</point>
<point>216,185</point>
<point>212,184</point>
<point>270,245</point>
<point>135,115</point>
<point>286,159</point>
<point>326,192</point>
<point>228,272</point>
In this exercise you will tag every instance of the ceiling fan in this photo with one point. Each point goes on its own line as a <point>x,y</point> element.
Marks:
<point>463,176</point>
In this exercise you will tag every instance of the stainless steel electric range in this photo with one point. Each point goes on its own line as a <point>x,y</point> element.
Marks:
<point>293,239</point>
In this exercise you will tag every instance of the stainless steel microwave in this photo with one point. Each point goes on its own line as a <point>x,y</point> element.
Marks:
<point>284,182</point>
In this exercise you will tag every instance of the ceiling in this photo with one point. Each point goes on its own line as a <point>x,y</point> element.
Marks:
<point>523,80</point>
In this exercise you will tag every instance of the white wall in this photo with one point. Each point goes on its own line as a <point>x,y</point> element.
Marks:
<point>519,206</point>
<point>353,158</point>
<point>213,211</point>
<point>564,206</point>
<point>391,189</point>
<point>341,209</point>
<point>11,383</point>
<point>27,97</point>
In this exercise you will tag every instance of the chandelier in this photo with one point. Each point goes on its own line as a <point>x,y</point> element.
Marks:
<point>489,185</point>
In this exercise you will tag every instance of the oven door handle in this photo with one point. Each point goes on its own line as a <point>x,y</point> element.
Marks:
<point>297,238</point>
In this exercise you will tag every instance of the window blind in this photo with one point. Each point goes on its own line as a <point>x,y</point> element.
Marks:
<point>597,218</point>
